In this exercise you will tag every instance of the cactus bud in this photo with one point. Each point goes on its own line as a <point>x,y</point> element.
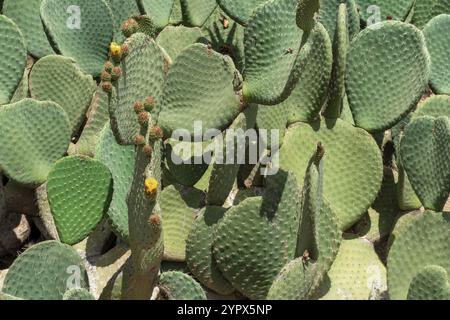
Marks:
<point>125,50</point>
<point>148,150</point>
<point>139,140</point>
<point>156,133</point>
<point>149,104</point>
<point>130,27</point>
<point>107,86</point>
<point>143,118</point>
<point>106,76</point>
<point>109,66</point>
<point>116,73</point>
<point>138,107</point>
<point>154,220</point>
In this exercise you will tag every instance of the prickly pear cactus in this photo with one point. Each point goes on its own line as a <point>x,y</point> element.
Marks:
<point>224,149</point>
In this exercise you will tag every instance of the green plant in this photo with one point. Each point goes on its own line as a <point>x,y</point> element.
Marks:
<point>266,149</point>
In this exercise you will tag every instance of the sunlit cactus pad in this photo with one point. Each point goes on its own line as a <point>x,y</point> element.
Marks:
<point>224,150</point>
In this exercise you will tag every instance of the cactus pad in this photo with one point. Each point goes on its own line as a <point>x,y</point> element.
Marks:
<point>29,149</point>
<point>240,11</point>
<point>79,195</point>
<point>175,39</point>
<point>308,97</point>
<point>268,225</point>
<point>328,15</point>
<point>159,11</point>
<point>350,186</point>
<point>120,160</point>
<point>45,272</point>
<point>81,30</point>
<point>143,77</point>
<point>196,12</point>
<point>78,294</point>
<point>98,116</point>
<point>425,153</point>
<point>26,15</point>
<point>422,242</point>
<point>438,43</point>
<point>425,10</point>
<point>59,79</point>
<point>199,255</point>
<point>14,58</point>
<point>271,65</point>
<point>179,207</point>
<point>384,82</point>
<point>388,9</point>
<point>430,284</point>
<point>179,286</point>
<point>356,274</point>
<point>208,98</point>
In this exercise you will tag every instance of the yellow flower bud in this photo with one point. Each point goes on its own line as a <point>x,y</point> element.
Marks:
<point>116,49</point>
<point>151,187</point>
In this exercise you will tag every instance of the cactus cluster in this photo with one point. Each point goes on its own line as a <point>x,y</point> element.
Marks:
<point>106,114</point>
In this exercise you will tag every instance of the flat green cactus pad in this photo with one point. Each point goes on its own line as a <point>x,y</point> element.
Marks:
<point>431,283</point>
<point>196,12</point>
<point>179,207</point>
<point>241,11</point>
<point>272,118</point>
<point>82,30</point>
<point>26,15</point>
<point>272,63</point>
<point>59,79</point>
<point>199,87</point>
<point>425,153</point>
<point>79,191</point>
<point>438,44</point>
<point>341,43</point>
<point>434,106</point>
<point>179,286</point>
<point>319,236</point>
<point>308,97</point>
<point>121,162</point>
<point>78,294</point>
<point>143,72</point>
<point>175,39</point>
<point>425,10</point>
<point>328,15</point>
<point>422,242</point>
<point>384,82</point>
<point>45,272</point>
<point>14,58</point>
<point>354,165</point>
<point>199,255</point>
<point>258,237</point>
<point>159,11</point>
<point>30,149</point>
<point>356,274</point>
<point>384,9</point>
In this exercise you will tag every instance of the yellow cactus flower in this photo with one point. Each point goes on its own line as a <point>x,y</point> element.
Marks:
<point>151,186</point>
<point>116,49</point>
